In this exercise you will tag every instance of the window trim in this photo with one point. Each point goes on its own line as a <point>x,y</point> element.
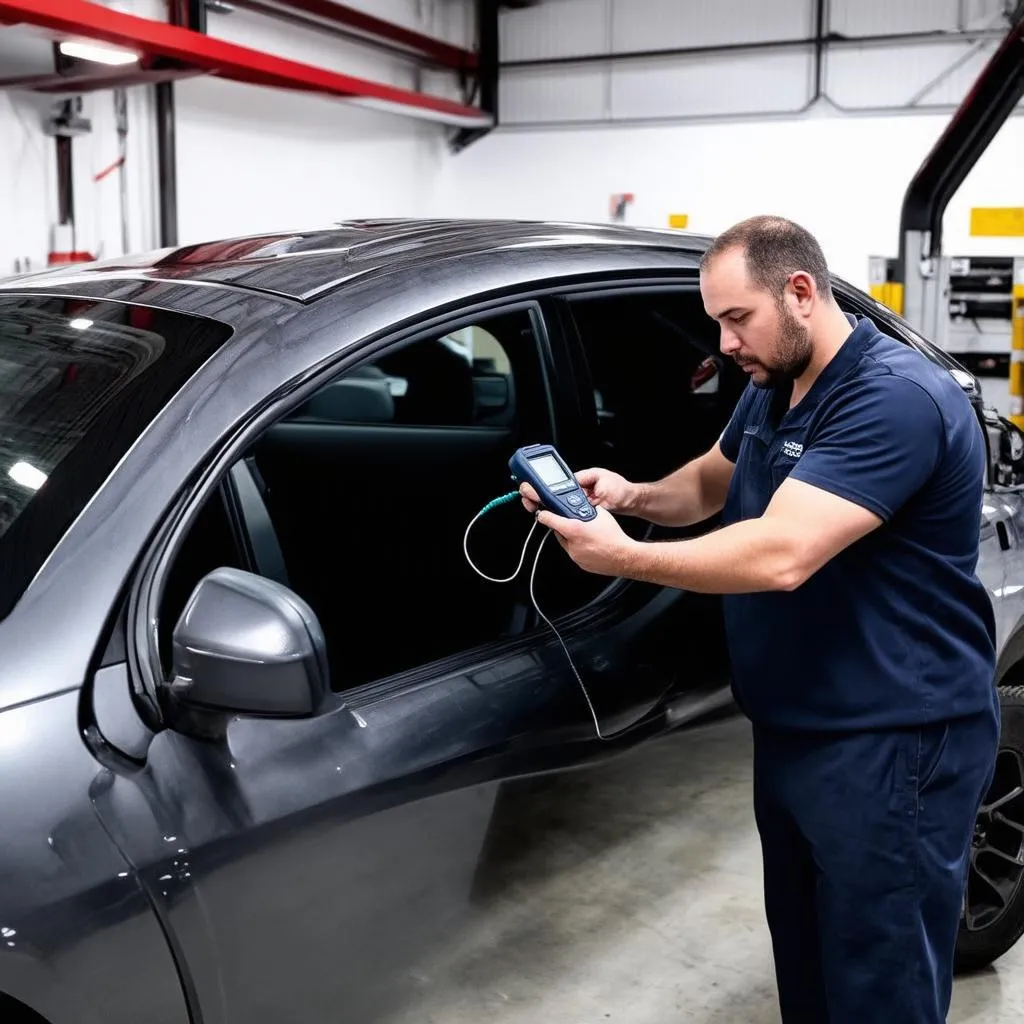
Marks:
<point>146,586</point>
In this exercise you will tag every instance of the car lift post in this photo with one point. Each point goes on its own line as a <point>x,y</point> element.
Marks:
<point>913,284</point>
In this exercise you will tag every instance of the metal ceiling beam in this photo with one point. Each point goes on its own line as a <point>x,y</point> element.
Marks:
<point>436,51</point>
<point>82,19</point>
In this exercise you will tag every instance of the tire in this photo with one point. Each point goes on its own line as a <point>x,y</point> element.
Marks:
<point>993,918</point>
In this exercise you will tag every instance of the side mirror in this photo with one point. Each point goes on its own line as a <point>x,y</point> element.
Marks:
<point>1010,465</point>
<point>1006,450</point>
<point>248,645</point>
<point>967,381</point>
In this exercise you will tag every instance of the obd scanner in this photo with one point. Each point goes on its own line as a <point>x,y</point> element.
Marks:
<point>542,467</point>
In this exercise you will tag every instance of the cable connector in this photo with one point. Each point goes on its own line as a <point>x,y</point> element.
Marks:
<point>503,500</point>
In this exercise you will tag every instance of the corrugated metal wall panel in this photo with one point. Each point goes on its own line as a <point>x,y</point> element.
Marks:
<point>884,17</point>
<point>554,28</point>
<point>664,24</point>
<point>662,88</point>
<point>891,77</point>
<point>774,82</point>
<point>884,75</point>
<point>542,95</point>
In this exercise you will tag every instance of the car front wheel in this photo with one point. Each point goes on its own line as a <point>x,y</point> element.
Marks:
<point>993,917</point>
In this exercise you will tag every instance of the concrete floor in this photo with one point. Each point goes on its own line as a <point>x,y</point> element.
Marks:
<point>632,893</point>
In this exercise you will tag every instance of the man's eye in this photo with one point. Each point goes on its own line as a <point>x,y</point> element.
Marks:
<point>740,318</point>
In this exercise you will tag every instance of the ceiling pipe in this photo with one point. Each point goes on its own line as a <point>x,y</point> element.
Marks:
<point>157,41</point>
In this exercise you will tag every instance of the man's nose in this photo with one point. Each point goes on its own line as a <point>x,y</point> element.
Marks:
<point>729,342</point>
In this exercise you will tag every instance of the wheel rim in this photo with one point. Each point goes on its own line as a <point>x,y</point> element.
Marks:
<point>997,849</point>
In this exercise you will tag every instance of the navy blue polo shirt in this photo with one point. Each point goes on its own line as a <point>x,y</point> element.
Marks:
<point>897,629</point>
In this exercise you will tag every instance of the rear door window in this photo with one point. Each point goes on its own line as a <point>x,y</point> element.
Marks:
<point>79,382</point>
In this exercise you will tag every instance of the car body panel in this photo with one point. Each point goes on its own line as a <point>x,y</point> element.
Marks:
<point>79,942</point>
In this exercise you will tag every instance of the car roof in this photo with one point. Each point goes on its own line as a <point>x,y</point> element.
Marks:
<point>304,265</point>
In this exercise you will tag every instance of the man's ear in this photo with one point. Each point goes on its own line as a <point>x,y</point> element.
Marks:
<point>802,289</point>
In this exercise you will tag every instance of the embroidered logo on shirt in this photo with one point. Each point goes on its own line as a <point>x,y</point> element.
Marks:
<point>792,449</point>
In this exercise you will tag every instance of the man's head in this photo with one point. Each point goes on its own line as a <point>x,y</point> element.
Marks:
<point>766,282</point>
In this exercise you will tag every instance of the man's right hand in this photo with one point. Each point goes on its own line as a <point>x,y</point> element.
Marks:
<point>602,487</point>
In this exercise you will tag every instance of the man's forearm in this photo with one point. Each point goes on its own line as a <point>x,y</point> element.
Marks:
<point>675,500</point>
<point>750,556</point>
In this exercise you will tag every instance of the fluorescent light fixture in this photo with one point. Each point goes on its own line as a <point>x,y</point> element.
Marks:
<point>26,475</point>
<point>100,53</point>
<point>80,324</point>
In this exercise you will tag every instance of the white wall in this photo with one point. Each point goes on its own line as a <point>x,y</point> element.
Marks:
<point>842,177</point>
<point>26,171</point>
<point>253,159</point>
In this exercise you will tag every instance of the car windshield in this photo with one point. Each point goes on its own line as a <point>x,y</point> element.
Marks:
<point>79,382</point>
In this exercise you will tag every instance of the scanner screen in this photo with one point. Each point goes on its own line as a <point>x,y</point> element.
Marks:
<point>548,469</point>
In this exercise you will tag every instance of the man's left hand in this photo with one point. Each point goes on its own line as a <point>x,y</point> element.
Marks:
<point>599,546</point>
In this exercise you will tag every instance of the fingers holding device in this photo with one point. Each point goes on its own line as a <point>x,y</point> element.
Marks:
<point>546,482</point>
<point>554,487</point>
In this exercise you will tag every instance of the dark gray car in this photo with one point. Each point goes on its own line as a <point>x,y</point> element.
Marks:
<point>259,720</point>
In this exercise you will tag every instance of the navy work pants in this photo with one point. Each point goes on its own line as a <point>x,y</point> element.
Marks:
<point>865,840</point>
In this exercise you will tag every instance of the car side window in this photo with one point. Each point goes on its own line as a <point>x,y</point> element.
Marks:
<point>465,378</point>
<point>662,391</point>
<point>368,488</point>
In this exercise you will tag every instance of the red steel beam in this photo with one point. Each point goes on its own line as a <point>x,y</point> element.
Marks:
<point>437,50</point>
<point>82,19</point>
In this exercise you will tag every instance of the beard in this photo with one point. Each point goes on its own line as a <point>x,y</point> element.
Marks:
<point>792,355</point>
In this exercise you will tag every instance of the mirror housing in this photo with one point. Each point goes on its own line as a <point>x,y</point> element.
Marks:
<point>970,384</point>
<point>1006,450</point>
<point>1010,459</point>
<point>245,644</point>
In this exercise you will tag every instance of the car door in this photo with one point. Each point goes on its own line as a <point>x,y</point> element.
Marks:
<point>653,392</point>
<point>344,866</point>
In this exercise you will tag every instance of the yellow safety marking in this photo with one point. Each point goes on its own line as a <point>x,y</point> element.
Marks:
<point>997,221</point>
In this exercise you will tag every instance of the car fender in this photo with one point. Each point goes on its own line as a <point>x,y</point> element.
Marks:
<point>79,940</point>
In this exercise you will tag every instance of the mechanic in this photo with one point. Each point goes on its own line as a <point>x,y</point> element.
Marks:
<point>850,481</point>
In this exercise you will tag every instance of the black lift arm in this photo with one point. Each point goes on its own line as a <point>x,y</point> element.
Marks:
<point>977,120</point>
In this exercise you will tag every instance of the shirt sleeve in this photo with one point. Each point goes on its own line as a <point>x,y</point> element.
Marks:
<point>730,438</point>
<point>877,445</point>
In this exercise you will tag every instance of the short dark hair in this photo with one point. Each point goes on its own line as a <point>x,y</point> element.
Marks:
<point>774,248</point>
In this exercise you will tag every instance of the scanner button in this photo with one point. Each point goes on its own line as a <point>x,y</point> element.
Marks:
<point>586,512</point>
<point>575,499</point>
